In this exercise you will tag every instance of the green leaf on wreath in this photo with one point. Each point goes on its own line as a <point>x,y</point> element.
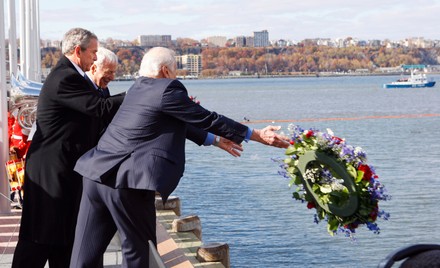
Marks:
<point>360,175</point>
<point>291,170</point>
<point>296,196</point>
<point>320,213</point>
<point>352,171</point>
<point>315,187</point>
<point>325,199</point>
<point>332,225</point>
<point>297,180</point>
<point>294,163</point>
<point>364,210</point>
<point>290,150</point>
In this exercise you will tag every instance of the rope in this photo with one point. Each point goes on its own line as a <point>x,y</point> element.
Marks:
<point>247,121</point>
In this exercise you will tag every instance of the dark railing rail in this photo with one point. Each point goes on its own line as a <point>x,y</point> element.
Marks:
<point>154,258</point>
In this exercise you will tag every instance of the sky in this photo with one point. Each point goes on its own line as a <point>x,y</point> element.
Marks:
<point>283,19</point>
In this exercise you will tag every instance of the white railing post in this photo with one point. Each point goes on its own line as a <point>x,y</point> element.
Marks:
<point>12,33</point>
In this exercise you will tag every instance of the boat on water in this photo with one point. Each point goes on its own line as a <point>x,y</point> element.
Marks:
<point>415,80</point>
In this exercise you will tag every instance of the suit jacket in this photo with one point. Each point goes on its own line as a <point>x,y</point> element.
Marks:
<point>103,92</point>
<point>69,113</point>
<point>144,145</point>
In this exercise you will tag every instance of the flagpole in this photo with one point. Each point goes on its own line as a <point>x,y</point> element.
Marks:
<point>29,71</point>
<point>23,62</point>
<point>5,204</point>
<point>13,60</point>
<point>37,37</point>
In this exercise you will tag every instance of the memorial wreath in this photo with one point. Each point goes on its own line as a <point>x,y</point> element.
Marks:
<point>334,178</point>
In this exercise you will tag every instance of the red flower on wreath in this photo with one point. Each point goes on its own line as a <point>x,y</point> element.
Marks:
<point>351,226</point>
<point>337,139</point>
<point>367,172</point>
<point>311,205</point>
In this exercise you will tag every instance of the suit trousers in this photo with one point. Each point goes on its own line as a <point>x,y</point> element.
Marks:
<point>105,210</point>
<point>29,254</point>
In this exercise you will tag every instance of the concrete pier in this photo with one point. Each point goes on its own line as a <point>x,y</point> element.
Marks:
<point>176,249</point>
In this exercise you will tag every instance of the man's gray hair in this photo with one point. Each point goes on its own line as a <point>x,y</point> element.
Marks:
<point>105,56</point>
<point>76,37</point>
<point>154,59</point>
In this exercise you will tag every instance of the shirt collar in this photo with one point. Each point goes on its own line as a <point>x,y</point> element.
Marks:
<point>80,71</point>
<point>93,82</point>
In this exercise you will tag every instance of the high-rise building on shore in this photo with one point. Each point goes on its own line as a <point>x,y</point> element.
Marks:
<point>240,41</point>
<point>218,41</point>
<point>190,62</point>
<point>261,39</point>
<point>154,40</point>
<point>249,41</point>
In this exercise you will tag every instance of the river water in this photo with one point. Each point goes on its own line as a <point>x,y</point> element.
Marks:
<point>245,203</point>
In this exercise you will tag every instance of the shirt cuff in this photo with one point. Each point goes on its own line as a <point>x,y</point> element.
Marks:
<point>209,139</point>
<point>248,134</point>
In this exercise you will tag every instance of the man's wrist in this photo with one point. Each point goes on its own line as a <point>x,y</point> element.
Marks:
<point>209,140</point>
<point>216,140</point>
<point>248,134</point>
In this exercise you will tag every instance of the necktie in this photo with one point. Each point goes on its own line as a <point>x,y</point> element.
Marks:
<point>101,92</point>
<point>87,77</point>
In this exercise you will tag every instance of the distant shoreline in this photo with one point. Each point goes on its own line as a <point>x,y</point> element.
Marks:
<point>323,74</point>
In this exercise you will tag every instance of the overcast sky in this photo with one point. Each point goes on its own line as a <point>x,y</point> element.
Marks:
<point>284,19</point>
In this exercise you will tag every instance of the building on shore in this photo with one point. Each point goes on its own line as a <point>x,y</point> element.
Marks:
<point>190,62</point>
<point>261,39</point>
<point>155,40</point>
<point>217,41</point>
<point>240,41</point>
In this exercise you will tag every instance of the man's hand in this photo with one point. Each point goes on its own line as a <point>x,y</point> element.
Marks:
<point>268,136</point>
<point>230,147</point>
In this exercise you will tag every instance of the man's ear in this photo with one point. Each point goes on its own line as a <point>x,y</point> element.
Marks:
<point>93,68</point>
<point>165,72</point>
<point>77,51</point>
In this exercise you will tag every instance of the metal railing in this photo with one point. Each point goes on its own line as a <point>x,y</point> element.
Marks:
<point>154,258</point>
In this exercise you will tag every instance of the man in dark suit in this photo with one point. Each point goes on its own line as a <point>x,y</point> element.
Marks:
<point>103,71</point>
<point>143,151</point>
<point>68,124</point>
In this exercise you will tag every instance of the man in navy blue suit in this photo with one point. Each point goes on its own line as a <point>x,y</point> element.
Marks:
<point>143,151</point>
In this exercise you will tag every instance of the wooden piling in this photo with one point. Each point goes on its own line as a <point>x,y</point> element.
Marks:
<point>214,252</point>
<point>189,223</point>
<point>173,203</point>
